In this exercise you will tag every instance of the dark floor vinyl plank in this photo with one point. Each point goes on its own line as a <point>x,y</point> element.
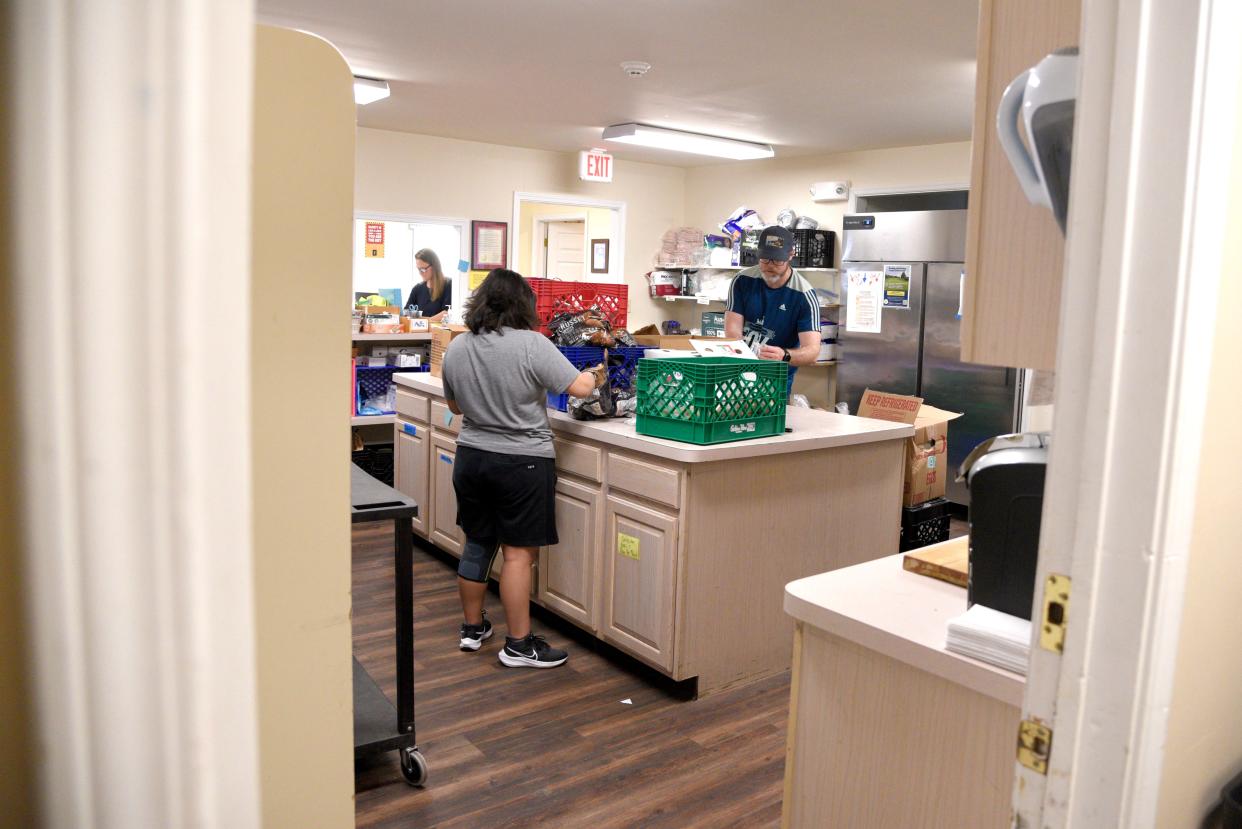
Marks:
<point>516,748</point>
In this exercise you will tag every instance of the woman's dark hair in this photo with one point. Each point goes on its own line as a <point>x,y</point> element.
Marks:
<point>504,300</point>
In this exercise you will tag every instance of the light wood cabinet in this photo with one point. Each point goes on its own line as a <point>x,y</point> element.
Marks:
<point>567,571</point>
<point>1014,250</point>
<point>640,580</point>
<point>443,513</point>
<point>411,458</point>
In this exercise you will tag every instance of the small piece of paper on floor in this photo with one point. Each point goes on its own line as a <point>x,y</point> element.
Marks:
<point>627,701</point>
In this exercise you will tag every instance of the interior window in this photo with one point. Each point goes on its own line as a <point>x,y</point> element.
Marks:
<point>384,254</point>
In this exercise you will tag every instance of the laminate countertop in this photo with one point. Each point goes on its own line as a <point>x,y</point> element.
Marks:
<point>811,429</point>
<point>903,615</point>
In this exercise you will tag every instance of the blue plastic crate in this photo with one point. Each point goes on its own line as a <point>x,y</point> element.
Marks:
<point>373,381</point>
<point>620,376</point>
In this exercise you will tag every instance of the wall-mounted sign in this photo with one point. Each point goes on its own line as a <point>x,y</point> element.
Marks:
<point>373,246</point>
<point>897,286</point>
<point>595,165</point>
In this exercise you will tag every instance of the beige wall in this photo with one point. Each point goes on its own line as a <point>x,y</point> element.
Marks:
<point>17,795</point>
<point>302,201</point>
<point>1203,749</point>
<point>769,185</point>
<point>424,175</point>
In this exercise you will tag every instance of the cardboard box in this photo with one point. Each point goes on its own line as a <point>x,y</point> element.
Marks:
<point>681,342</point>
<point>440,339</point>
<point>927,453</point>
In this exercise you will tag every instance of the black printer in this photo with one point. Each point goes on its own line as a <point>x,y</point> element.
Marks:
<point>1006,479</point>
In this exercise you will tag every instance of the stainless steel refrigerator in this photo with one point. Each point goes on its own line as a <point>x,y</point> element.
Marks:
<point>919,257</point>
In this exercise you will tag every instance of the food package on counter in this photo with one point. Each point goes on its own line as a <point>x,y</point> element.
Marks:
<point>742,219</point>
<point>787,218</point>
<point>589,327</point>
<point>806,223</point>
<point>605,401</point>
<point>713,241</point>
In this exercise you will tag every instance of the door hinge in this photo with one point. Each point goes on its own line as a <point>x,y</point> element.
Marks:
<point>1056,613</point>
<point>1034,745</point>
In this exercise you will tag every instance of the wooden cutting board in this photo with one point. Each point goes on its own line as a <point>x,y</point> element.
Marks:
<point>945,561</point>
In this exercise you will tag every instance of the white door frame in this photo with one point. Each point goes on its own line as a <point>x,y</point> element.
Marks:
<point>461,288</point>
<point>1156,125</point>
<point>539,232</point>
<point>132,204</point>
<point>616,251</point>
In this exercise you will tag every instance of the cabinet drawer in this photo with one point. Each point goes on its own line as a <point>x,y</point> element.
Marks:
<point>412,405</point>
<point>443,419</point>
<point>579,459</point>
<point>647,480</point>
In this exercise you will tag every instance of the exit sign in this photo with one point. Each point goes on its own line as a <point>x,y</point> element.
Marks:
<point>594,165</point>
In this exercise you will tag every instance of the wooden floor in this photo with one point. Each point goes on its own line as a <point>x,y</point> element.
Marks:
<point>513,747</point>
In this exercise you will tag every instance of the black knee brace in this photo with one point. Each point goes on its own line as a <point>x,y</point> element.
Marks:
<point>476,559</point>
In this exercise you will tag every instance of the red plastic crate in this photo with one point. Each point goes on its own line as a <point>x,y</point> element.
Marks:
<point>552,297</point>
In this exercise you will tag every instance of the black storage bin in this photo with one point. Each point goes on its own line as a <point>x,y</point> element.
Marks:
<point>749,254</point>
<point>923,524</point>
<point>376,459</point>
<point>814,248</point>
<point>1231,804</point>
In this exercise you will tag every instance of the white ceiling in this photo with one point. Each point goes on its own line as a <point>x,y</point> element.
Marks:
<point>815,76</point>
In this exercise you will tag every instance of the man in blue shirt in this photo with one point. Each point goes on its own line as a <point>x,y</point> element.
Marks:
<point>772,304</point>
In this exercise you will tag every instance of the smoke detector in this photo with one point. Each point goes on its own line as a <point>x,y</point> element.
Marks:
<point>635,68</point>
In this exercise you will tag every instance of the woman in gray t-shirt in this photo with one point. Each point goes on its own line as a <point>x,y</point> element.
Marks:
<point>498,377</point>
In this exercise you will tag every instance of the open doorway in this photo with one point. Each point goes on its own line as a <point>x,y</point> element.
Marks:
<point>559,247</point>
<point>553,232</point>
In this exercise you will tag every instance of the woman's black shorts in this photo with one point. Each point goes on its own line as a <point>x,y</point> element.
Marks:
<point>509,498</point>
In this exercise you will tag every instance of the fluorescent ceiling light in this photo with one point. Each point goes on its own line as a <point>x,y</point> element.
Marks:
<point>369,90</point>
<point>686,142</point>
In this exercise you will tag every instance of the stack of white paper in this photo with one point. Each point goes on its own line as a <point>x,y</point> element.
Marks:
<point>991,636</point>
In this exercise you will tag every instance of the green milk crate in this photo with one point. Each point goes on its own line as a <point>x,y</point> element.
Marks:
<point>706,400</point>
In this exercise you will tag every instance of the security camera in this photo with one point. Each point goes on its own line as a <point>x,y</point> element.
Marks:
<point>830,191</point>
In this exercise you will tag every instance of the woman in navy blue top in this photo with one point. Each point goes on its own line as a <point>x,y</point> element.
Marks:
<point>434,292</point>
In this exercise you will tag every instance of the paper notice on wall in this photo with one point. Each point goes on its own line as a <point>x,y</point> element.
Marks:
<point>373,246</point>
<point>864,301</point>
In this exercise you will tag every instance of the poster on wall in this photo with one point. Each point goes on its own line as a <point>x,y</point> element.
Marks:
<point>897,286</point>
<point>864,302</point>
<point>489,243</point>
<point>373,242</point>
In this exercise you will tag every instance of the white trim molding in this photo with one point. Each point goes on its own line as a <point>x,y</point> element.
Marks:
<point>616,253</point>
<point>1156,124</point>
<point>132,202</point>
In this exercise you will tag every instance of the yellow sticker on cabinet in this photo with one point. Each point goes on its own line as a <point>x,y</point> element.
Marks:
<point>627,545</point>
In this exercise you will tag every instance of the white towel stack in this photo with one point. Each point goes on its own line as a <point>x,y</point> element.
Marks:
<point>991,636</point>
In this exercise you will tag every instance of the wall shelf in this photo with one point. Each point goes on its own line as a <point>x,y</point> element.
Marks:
<point>372,420</point>
<point>417,337</point>
<point>702,300</point>
<point>730,268</point>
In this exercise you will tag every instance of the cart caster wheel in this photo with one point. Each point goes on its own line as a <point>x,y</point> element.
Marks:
<point>413,767</point>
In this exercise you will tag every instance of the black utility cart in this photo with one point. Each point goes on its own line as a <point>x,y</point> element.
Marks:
<point>378,726</point>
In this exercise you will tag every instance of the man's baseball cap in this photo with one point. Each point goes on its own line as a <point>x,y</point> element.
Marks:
<point>776,244</point>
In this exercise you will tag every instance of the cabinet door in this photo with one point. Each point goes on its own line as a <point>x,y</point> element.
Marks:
<point>411,469</point>
<point>640,590</point>
<point>1011,296</point>
<point>567,571</point>
<point>444,530</point>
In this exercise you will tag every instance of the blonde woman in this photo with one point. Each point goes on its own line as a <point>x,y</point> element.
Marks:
<point>433,293</point>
